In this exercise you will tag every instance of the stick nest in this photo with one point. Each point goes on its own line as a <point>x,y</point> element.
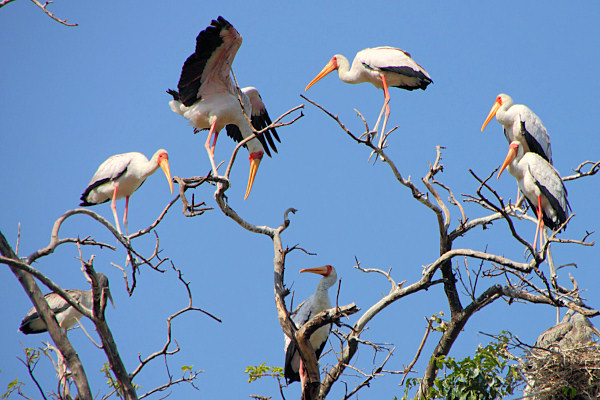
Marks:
<point>571,373</point>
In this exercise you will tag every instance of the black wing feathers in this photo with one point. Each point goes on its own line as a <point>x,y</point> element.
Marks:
<point>259,122</point>
<point>532,143</point>
<point>555,204</point>
<point>289,373</point>
<point>424,81</point>
<point>27,326</point>
<point>86,193</point>
<point>191,74</point>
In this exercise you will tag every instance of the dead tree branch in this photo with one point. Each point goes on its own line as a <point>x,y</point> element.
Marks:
<point>44,8</point>
<point>57,334</point>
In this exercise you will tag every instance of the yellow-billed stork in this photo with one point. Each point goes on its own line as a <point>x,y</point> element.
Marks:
<point>121,175</point>
<point>383,67</point>
<point>208,98</point>
<point>65,314</point>
<point>319,301</point>
<point>541,184</point>
<point>520,123</point>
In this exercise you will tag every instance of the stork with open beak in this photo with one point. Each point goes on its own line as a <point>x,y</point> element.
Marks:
<point>541,184</point>
<point>208,98</point>
<point>383,67</point>
<point>319,301</point>
<point>520,123</point>
<point>121,175</point>
<point>65,314</point>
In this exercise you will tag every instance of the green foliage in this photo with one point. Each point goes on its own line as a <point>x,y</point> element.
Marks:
<point>437,319</point>
<point>12,386</point>
<point>112,382</point>
<point>569,392</point>
<point>486,376</point>
<point>259,371</point>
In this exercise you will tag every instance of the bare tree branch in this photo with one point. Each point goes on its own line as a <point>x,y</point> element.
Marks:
<point>594,168</point>
<point>56,333</point>
<point>44,8</point>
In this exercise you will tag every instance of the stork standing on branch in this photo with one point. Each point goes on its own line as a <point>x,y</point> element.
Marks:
<point>121,175</point>
<point>319,301</point>
<point>65,314</point>
<point>542,186</point>
<point>208,98</point>
<point>383,67</point>
<point>521,124</point>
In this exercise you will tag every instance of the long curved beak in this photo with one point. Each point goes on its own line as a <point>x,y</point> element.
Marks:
<point>254,163</point>
<point>492,113</point>
<point>331,66</point>
<point>317,270</point>
<point>164,165</point>
<point>106,291</point>
<point>512,153</point>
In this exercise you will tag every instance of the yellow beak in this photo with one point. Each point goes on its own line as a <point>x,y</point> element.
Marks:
<point>254,163</point>
<point>316,270</point>
<point>331,66</point>
<point>164,165</point>
<point>512,153</point>
<point>492,113</point>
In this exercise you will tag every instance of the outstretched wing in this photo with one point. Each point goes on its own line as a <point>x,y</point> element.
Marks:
<point>216,47</point>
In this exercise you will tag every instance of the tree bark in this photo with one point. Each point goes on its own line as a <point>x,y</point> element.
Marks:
<point>57,334</point>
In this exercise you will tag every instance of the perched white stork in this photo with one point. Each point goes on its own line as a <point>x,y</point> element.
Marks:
<point>319,301</point>
<point>384,67</point>
<point>520,123</point>
<point>66,315</point>
<point>121,175</point>
<point>541,184</point>
<point>208,98</point>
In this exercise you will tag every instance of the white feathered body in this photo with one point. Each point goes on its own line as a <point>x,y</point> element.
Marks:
<point>523,125</point>
<point>399,69</point>
<point>537,177</point>
<point>129,170</point>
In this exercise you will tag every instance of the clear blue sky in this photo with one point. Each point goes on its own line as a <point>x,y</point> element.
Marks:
<point>71,97</point>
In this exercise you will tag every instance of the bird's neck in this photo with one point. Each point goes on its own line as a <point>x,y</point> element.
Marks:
<point>346,74</point>
<point>324,285</point>
<point>503,116</point>
<point>150,167</point>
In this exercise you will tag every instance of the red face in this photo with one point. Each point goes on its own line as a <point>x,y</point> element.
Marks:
<point>163,156</point>
<point>499,100</point>
<point>334,62</point>
<point>256,155</point>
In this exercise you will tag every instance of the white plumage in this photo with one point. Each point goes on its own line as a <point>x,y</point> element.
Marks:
<point>66,315</point>
<point>383,67</point>
<point>120,176</point>
<point>541,184</point>
<point>522,124</point>
<point>310,307</point>
<point>208,98</point>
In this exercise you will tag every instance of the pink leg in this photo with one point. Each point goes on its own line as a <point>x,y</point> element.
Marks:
<point>386,108</point>
<point>114,207</point>
<point>540,224</point>
<point>211,150</point>
<point>386,104</point>
<point>302,372</point>
<point>125,217</point>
